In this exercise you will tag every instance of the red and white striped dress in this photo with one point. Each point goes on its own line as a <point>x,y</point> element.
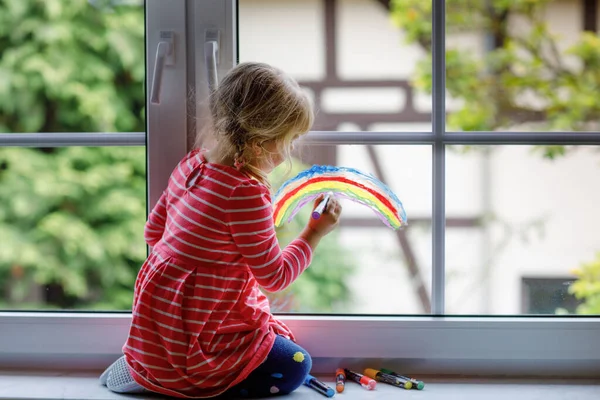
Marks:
<point>200,322</point>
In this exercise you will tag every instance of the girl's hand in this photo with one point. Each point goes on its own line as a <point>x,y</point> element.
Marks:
<point>317,228</point>
<point>329,218</point>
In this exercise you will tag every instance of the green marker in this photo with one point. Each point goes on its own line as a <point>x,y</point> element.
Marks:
<point>419,385</point>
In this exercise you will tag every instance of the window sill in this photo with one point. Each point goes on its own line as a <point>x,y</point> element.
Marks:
<point>78,385</point>
<point>507,346</point>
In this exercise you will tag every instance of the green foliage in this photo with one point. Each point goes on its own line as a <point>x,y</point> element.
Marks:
<point>65,66</point>
<point>523,82</point>
<point>587,287</point>
<point>322,287</point>
<point>71,219</point>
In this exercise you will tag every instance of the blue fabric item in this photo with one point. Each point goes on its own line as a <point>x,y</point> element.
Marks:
<point>284,370</point>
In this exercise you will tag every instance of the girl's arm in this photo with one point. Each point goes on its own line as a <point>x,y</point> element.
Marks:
<point>250,219</point>
<point>155,226</point>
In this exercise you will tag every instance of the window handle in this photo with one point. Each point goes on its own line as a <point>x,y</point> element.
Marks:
<point>211,57</point>
<point>164,56</point>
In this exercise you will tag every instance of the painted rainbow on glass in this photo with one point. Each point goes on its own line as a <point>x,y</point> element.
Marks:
<point>343,182</point>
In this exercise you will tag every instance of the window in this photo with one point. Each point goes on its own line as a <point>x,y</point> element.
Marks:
<point>367,66</point>
<point>72,154</point>
<point>438,149</point>
<point>547,295</point>
<point>334,53</point>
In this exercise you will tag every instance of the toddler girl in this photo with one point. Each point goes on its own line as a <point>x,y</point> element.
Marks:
<point>201,326</point>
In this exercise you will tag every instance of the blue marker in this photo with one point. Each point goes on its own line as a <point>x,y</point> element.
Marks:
<point>319,386</point>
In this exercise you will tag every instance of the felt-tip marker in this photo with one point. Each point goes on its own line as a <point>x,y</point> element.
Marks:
<point>416,384</point>
<point>316,214</point>
<point>340,380</point>
<point>389,379</point>
<point>319,386</point>
<point>364,381</point>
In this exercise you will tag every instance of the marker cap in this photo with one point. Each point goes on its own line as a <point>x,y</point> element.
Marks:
<point>368,382</point>
<point>371,373</point>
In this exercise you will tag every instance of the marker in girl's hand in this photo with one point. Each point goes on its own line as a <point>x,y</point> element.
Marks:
<point>316,214</point>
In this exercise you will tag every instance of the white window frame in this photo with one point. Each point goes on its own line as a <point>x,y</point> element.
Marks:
<point>513,345</point>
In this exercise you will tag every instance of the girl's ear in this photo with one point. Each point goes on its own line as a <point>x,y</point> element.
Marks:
<point>256,149</point>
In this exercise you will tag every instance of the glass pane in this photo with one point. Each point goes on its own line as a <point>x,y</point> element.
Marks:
<point>71,66</point>
<point>521,233</point>
<point>351,56</point>
<point>71,227</point>
<point>365,267</point>
<point>71,219</point>
<point>521,65</point>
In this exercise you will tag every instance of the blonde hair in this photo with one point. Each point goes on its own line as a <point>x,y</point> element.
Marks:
<point>256,104</point>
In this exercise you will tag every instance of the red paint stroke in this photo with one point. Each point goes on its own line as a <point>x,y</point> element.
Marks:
<point>311,181</point>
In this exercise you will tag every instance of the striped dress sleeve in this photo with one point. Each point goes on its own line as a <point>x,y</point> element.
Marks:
<point>155,225</point>
<point>250,219</point>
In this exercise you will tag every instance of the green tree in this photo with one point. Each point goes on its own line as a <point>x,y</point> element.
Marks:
<point>522,82</point>
<point>587,286</point>
<point>69,67</point>
<point>520,64</point>
<point>71,219</point>
<point>71,223</point>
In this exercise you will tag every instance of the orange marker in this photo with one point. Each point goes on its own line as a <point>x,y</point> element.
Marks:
<point>340,380</point>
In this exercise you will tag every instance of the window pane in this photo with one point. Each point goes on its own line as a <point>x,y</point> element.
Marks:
<point>350,56</point>
<point>71,227</point>
<point>546,295</point>
<point>364,267</point>
<point>71,219</point>
<point>71,66</point>
<point>526,230</point>
<point>522,65</point>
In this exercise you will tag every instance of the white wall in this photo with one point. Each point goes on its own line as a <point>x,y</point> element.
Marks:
<point>287,34</point>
